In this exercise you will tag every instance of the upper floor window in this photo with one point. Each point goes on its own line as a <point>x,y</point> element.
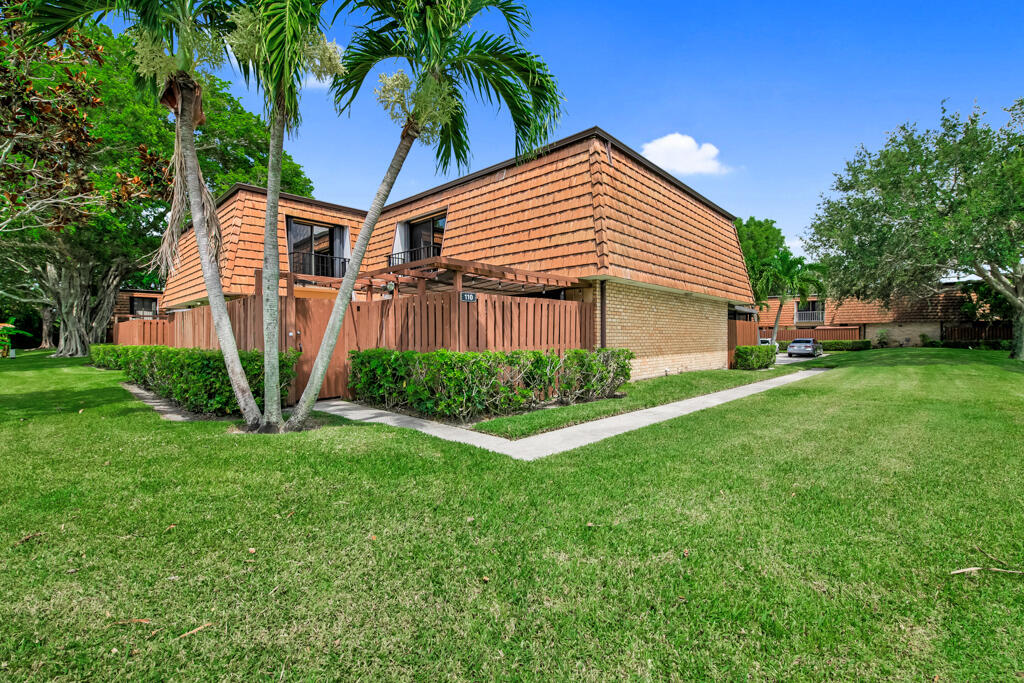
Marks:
<point>317,249</point>
<point>143,306</point>
<point>417,240</point>
<point>810,305</point>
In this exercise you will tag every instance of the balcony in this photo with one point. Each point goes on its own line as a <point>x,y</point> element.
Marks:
<point>808,317</point>
<point>417,254</point>
<point>320,265</point>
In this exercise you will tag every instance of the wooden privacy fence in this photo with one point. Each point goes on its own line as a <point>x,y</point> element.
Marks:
<point>428,322</point>
<point>741,333</point>
<point>143,332</point>
<point>995,332</point>
<point>819,333</point>
<point>425,322</point>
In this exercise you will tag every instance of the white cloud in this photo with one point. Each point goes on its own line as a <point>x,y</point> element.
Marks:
<point>311,83</point>
<point>796,245</point>
<point>683,155</point>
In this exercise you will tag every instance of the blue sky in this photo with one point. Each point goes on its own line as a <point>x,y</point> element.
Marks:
<point>784,91</point>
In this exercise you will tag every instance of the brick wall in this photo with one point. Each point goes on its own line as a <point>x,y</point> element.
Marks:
<point>904,334</point>
<point>669,332</point>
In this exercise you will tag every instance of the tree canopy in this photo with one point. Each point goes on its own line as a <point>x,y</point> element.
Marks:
<point>761,241</point>
<point>930,203</point>
<point>115,236</point>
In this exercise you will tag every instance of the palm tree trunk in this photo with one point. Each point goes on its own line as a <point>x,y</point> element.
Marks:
<point>208,261</point>
<point>778,314</point>
<point>271,279</point>
<point>323,357</point>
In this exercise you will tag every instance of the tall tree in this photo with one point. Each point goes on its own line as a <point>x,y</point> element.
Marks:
<point>79,269</point>
<point>761,241</point>
<point>46,135</point>
<point>790,276</point>
<point>444,59</point>
<point>930,203</point>
<point>278,43</point>
<point>173,39</point>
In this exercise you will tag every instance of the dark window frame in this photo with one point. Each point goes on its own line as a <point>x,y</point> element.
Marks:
<point>133,309</point>
<point>335,237</point>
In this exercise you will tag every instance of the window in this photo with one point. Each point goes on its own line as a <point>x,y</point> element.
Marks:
<point>317,249</point>
<point>143,306</point>
<point>808,306</point>
<point>417,240</point>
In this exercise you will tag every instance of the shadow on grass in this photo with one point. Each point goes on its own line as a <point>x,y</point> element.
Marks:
<point>917,357</point>
<point>35,403</point>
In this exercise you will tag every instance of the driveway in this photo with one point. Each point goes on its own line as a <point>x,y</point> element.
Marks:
<point>783,359</point>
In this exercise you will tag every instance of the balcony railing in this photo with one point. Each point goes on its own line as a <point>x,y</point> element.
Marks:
<point>321,265</point>
<point>809,316</point>
<point>417,254</point>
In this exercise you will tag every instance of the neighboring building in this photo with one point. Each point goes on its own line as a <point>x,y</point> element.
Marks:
<point>138,303</point>
<point>661,263</point>
<point>904,322</point>
<point>135,303</point>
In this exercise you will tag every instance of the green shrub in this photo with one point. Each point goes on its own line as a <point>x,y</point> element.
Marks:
<point>977,344</point>
<point>783,345</point>
<point>462,385</point>
<point>845,344</point>
<point>587,375</point>
<point>195,379</point>
<point>754,357</point>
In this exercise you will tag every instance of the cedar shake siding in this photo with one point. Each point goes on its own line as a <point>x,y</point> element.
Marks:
<point>657,233</point>
<point>576,211</point>
<point>241,214</point>
<point>535,216</point>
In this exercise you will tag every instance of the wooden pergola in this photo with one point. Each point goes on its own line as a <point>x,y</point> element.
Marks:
<point>444,274</point>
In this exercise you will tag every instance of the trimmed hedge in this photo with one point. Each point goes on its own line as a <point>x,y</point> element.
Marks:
<point>979,345</point>
<point>836,345</point>
<point>195,379</point>
<point>845,344</point>
<point>463,385</point>
<point>754,357</point>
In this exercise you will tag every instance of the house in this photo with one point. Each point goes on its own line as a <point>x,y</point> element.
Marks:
<point>140,303</point>
<point>660,263</point>
<point>134,303</point>
<point>904,322</point>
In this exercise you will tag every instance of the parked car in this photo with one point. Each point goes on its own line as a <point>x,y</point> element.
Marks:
<point>804,347</point>
<point>764,341</point>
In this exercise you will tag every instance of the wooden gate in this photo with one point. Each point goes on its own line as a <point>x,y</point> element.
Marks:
<point>741,333</point>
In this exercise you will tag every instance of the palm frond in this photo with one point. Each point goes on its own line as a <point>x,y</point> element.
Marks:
<point>365,51</point>
<point>48,19</point>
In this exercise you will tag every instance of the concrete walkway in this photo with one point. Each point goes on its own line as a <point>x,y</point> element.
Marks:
<point>783,359</point>
<point>567,438</point>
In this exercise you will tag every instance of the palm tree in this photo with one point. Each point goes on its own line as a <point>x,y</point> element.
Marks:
<point>790,276</point>
<point>444,59</point>
<point>277,43</point>
<point>173,38</point>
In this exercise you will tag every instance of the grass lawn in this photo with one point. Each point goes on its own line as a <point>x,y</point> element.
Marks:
<point>641,394</point>
<point>804,533</point>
